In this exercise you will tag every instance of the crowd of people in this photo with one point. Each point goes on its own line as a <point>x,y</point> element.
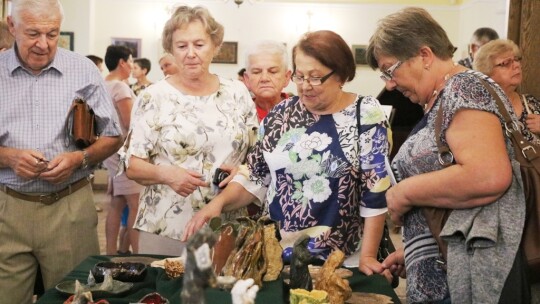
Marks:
<point>316,163</point>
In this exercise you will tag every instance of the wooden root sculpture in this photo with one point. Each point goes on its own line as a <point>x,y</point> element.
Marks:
<point>338,288</point>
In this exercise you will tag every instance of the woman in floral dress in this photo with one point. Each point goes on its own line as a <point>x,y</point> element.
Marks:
<point>312,169</point>
<point>184,128</point>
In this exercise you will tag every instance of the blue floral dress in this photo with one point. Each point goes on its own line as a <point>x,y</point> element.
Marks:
<point>305,168</point>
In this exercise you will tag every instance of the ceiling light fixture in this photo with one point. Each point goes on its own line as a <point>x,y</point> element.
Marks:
<point>238,2</point>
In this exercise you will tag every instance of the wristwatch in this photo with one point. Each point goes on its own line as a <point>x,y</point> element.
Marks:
<point>84,163</point>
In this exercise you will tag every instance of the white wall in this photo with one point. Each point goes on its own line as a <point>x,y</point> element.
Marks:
<point>96,21</point>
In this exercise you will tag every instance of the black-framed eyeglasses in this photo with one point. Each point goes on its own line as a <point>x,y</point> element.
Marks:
<point>388,74</point>
<point>509,62</point>
<point>314,81</point>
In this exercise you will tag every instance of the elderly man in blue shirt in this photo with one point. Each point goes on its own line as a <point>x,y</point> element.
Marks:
<point>47,215</point>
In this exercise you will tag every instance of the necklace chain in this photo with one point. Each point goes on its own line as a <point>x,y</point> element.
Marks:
<point>436,92</point>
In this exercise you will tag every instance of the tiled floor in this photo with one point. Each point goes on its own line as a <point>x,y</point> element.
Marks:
<point>102,199</point>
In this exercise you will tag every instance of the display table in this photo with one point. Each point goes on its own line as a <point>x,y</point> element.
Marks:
<point>156,280</point>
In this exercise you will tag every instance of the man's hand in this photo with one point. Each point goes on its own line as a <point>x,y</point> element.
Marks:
<point>62,167</point>
<point>28,164</point>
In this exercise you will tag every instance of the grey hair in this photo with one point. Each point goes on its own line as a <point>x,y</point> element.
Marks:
<point>484,58</point>
<point>268,47</point>
<point>41,8</point>
<point>402,34</point>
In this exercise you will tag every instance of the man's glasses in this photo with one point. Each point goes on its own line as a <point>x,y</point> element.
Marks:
<point>388,74</point>
<point>509,62</point>
<point>314,81</point>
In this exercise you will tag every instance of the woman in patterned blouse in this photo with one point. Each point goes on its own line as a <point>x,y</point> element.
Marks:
<point>501,61</point>
<point>479,180</point>
<point>184,128</point>
<point>311,168</point>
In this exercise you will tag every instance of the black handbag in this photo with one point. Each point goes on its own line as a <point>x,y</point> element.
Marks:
<point>386,246</point>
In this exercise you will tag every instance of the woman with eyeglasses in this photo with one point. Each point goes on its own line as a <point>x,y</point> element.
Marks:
<point>312,169</point>
<point>501,61</point>
<point>479,179</point>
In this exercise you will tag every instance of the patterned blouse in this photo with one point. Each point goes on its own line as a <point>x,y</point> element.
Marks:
<point>426,280</point>
<point>305,168</point>
<point>193,132</point>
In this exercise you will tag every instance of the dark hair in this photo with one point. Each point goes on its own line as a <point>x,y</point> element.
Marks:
<point>95,59</point>
<point>144,64</point>
<point>241,72</point>
<point>329,49</point>
<point>114,54</point>
<point>485,34</point>
<point>403,33</point>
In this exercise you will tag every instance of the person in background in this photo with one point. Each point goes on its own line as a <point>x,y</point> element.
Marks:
<point>6,38</point>
<point>267,74</point>
<point>184,128</point>
<point>312,169</point>
<point>480,37</point>
<point>423,70</point>
<point>48,216</point>
<point>124,192</point>
<point>501,60</point>
<point>168,65</point>
<point>141,68</point>
<point>98,61</point>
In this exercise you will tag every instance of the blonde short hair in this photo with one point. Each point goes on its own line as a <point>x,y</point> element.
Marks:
<point>484,58</point>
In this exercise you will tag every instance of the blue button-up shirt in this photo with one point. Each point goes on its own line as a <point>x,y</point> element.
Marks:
<point>34,109</point>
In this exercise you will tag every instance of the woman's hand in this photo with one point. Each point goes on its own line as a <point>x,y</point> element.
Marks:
<point>232,170</point>
<point>395,262</point>
<point>397,204</point>
<point>369,265</point>
<point>533,123</point>
<point>183,181</point>
<point>203,216</point>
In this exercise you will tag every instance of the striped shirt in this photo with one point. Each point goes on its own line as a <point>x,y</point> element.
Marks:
<point>34,108</point>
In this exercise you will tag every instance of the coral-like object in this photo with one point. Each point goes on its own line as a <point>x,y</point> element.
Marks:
<point>174,268</point>
<point>302,296</point>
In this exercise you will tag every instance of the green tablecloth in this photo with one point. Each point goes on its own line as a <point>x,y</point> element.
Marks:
<point>156,280</point>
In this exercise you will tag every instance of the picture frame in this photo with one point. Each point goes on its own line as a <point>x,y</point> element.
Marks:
<point>67,40</point>
<point>132,43</point>
<point>228,53</point>
<point>359,52</point>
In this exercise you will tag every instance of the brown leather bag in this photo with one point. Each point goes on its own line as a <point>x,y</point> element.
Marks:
<point>529,159</point>
<point>82,124</point>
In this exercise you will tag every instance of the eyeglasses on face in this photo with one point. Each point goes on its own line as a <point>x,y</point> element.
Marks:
<point>508,62</point>
<point>314,81</point>
<point>388,74</point>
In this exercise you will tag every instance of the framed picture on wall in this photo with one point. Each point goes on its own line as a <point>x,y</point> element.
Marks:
<point>228,53</point>
<point>66,40</point>
<point>132,43</point>
<point>359,52</point>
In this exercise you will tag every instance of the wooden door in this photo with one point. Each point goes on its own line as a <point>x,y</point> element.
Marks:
<point>523,25</point>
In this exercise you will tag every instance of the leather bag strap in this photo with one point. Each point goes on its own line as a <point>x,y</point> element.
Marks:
<point>511,129</point>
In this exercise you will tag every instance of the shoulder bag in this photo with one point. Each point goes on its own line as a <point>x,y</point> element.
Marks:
<point>81,124</point>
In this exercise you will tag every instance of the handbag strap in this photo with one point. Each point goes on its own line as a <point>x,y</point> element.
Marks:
<point>445,156</point>
<point>512,130</point>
